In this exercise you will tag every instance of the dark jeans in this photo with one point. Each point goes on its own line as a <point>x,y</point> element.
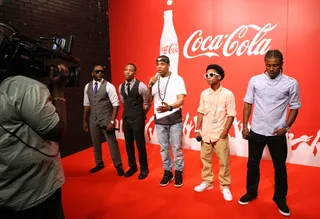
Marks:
<point>134,130</point>
<point>49,209</point>
<point>278,150</point>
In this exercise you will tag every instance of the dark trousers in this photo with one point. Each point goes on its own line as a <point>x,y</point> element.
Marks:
<point>278,150</point>
<point>134,130</point>
<point>49,209</point>
<point>95,131</point>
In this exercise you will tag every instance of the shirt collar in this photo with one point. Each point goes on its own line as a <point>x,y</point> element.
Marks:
<point>99,82</point>
<point>279,76</point>
<point>216,91</point>
<point>132,81</point>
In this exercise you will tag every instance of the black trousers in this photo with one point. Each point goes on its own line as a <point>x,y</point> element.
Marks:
<point>278,150</point>
<point>49,209</point>
<point>134,130</point>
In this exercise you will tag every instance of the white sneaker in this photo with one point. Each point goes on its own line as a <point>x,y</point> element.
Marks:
<point>203,186</point>
<point>227,195</point>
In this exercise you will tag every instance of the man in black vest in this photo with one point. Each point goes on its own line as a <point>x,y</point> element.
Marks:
<point>132,94</point>
<point>101,103</point>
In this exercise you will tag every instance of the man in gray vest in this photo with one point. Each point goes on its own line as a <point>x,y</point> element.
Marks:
<point>132,94</point>
<point>101,103</point>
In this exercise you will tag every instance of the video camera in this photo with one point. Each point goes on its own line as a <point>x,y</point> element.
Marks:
<point>21,55</point>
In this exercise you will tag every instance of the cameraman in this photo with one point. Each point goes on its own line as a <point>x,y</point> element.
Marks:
<point>31,123</point>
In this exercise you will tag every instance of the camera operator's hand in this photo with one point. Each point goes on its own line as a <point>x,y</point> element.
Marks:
<point>58,82</point>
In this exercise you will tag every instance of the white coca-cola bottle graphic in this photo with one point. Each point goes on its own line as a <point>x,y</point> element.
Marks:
<point>169,42</point>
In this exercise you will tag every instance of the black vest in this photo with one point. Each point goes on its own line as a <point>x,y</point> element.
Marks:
<point>132,103</point>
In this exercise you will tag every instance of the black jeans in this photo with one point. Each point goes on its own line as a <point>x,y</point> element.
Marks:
<point>278,150</point>
<point>134,130</point>
<point>49,209</point>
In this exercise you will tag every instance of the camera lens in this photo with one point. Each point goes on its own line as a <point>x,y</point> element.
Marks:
<point>74,76</point>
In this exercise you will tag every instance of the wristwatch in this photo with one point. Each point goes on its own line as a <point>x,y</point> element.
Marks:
<point>287,128</point>
<point>112,122</point>
<point>170,108</point>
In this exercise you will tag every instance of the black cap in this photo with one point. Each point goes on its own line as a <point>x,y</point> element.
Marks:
<point>163,58</point>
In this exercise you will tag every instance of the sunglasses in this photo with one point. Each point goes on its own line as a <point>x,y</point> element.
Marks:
<point>99,71</point>
<point>210,75</point>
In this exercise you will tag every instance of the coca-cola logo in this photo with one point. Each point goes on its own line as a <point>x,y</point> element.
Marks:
<point>169,49</point>
<point>228,44</point>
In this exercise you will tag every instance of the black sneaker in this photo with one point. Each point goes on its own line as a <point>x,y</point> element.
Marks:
<point>179,181</point>
<point>167,177</point>
<point>283,208</point>
<point>244,200</point>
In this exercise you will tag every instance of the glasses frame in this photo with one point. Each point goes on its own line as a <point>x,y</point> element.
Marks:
<point>99,71</point>
<point>211,75</point>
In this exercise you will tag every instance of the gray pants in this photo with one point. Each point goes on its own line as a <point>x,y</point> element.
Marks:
<point>95,132</point>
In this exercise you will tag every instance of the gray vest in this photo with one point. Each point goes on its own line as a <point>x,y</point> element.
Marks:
<point>100,105</point>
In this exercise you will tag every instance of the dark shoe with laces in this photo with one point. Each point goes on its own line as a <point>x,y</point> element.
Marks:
<point>244,200</point>
<point>167,177</point>
<point>131,171</point>
<point>96,168</point>
<point>143,174</point>
<point>178,179</point>
<point>283,207</point>
<point>120,171</point>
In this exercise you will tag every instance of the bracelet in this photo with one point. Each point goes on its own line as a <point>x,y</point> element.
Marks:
<point>245,128</point>
<point>196,130</point>
<point>61,99</point>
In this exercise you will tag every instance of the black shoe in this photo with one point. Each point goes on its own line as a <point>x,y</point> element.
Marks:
<point>143,174</point>
<point>179,181</point>
<point>120,171</point>
<point>96,168</point>
<point>131,171</point>
<point>283,207</point>
<point>167,177</point>
<point>244,200</point>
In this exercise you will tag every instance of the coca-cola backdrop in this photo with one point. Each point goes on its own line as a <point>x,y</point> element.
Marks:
<point>234,34</point>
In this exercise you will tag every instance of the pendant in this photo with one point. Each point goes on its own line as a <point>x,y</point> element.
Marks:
<point>215,121</point>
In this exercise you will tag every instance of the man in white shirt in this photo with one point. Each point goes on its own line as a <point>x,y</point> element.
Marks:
<point>168,91</point>
<point>101,106</point>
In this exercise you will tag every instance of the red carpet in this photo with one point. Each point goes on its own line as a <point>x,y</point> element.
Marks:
<point>104,195</point>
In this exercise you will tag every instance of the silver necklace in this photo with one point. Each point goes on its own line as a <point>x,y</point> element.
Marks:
<point>165,88</point>
<point>215,120</point>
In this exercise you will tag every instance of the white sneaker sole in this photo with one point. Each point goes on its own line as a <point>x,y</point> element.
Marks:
<point>243,203</point>
<point>228,200</point>
<point>284,214</point>
<point>208,188</point>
